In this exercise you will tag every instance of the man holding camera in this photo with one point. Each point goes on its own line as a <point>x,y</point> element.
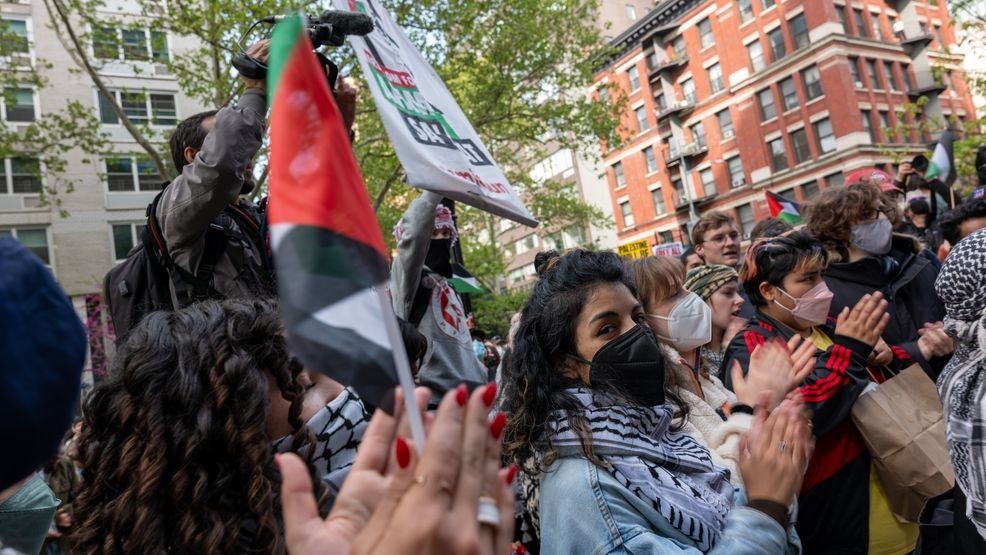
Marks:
<point>910,178</point>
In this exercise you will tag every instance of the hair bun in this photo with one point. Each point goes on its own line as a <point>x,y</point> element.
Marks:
<point>544,261</point>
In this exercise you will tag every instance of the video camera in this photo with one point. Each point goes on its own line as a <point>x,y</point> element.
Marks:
<point>329,29</point>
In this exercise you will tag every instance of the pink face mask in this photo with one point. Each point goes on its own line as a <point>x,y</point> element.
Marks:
<point>812,307</point>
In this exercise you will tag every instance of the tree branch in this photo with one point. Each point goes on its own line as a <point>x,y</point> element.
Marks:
<point>386,188</point>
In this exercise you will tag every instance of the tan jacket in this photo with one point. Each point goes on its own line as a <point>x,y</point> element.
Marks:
<point>194,199</point>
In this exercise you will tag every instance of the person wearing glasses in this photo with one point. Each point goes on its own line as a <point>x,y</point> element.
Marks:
<point>716,239</point>
<point>854,224</point>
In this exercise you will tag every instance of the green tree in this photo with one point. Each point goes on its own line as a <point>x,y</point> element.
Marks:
<point>493,311</point>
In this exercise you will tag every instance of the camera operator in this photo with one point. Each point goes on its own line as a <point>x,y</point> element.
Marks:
<point>910,178</point>
<point>213,152</point>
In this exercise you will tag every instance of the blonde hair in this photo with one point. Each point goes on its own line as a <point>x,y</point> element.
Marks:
<point>656,278</point>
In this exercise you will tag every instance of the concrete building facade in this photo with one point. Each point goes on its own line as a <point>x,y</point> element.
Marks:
<point>730,98</point>
<point>103,214</point>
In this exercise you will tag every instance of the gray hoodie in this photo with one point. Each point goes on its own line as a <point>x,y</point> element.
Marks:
<point>450,359</point>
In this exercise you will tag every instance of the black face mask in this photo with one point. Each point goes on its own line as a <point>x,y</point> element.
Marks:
<point>439,257</point>
<point>633,365</point>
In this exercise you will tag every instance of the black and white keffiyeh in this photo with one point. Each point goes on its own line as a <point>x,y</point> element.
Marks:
<point>961,285</point>
<point>669,470</point>
<point>339,427</point>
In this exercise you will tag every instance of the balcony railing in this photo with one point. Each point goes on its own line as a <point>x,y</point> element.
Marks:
<point>670,64</point>
<point>680,107</point>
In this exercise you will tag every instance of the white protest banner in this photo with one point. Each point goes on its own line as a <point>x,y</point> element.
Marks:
<point>436,144</point>
<point>669,249</point>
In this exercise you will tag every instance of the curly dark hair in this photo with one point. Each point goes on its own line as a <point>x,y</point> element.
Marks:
<point>951,222</point>
<point>175,453</point>
<point>534,386</point>
<point>831,216</point>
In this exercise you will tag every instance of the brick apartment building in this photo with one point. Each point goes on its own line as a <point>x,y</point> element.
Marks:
<point>729,98</point>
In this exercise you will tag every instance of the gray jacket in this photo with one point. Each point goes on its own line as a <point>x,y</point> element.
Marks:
<point>194,199</point>
<point>449,359</point>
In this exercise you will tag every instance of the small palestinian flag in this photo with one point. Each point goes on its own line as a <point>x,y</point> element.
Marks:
<point>330,255</point>
<point>783,209</point>
<point>942,163</point>
<point>463,282</point>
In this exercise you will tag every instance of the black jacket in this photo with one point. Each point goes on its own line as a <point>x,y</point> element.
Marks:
<point>907,281</point>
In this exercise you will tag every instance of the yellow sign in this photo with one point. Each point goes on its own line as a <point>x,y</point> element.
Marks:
<point>636,249</point>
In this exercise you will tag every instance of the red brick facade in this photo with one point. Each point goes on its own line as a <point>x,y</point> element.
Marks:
<point>796,108</point>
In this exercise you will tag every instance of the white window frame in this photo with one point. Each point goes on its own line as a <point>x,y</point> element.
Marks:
<point>133,173</point>
<point>35,99</point>
<point>134,237</point>
<point>7,186</point>
<point>29,25</point>
<point>147,104</point>
<point>121,56</point>
<point>15,229</point>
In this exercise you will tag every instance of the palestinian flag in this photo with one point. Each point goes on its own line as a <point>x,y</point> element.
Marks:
<point>783,209</point>
<point>330,256</point>
<point>463,282</point>
<point>942,163</point>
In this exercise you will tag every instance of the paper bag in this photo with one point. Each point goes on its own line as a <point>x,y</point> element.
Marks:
<point>901,422</point>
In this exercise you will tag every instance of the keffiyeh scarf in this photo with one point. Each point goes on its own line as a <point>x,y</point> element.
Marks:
<point>338,429</point>
<point>668,470</point>
<point>961,285</point>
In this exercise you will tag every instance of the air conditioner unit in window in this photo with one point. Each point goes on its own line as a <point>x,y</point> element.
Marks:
<point>728,134</point>
<point>738,182</point>
<point>859,84</point>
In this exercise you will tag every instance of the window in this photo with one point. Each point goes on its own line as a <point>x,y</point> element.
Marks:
<point>657,197</point>
<point>871,74</point>
<point>140,108</point>
<point>650,160</point>
<point>137,45</point>
<point>840,12</point>
<point>812,82</point>
<point>679,191</point>
<point>834,180</point>
<point>809,190</point>
<point>755,50</point>
<point>618,172</point>
<point>824,135</point>
<point>876,27</point>
<point>631,12</point>
<point>884,119</point>
<point>159,47</point>
<point>735,167</point>
<point>104,43</point>
<point>18,105</point>
<point>705,33</point>
<point>867,124</point>
<point>777,47</point>
<point>715,78</point>
<point>125,174</point>
<point>21,175</point>
<point>767,4</point>
<point>799,31</point>
<point>891,76</point>
<point>745,10</point>
<point>35,240</point>
<point>789,94</point>
<point>698,135</point>
<point>861,29</point>
<point>627,213</point>
<point>938,37</point>
<point>802,153</point>
<point>16,29</point>
<point>688,90</point>
<point>768,110</point>
<point>641,114</point>
<point>896,28</point>
<point>678,46</point>
<point>923,25</point>
<point>708,182</point>
<point>634,76</point>
<point>652,60</point>
<point>725,121</point>
<point>854,72</point>
<point>662,102</point>
<point>125,236</point>
<point>778,154</point>
<point>746,221</point>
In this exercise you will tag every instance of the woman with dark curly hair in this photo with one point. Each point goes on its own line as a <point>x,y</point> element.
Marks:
<point>588,424</point>
<point>178,444</point>
<point>855,225</point>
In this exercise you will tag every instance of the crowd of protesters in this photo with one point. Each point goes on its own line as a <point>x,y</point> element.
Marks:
<point>646,406</point>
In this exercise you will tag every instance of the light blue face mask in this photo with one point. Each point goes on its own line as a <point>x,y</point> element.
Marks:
<point>26,515</point>
<point>479,348</point>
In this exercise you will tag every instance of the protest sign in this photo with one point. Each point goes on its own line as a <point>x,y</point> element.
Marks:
<point>635,249</point>
<point>436,144</point>
<point>668,249</point>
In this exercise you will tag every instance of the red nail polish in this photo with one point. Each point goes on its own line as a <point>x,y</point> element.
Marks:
<point>511,474</point>
<point>461,395</point>
<point>496,427</point>
<point>490,394</point>
<point>402,452</point>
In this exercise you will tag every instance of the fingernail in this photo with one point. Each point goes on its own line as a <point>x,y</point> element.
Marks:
<point>496,427</point>
<point>402,452</point>
<point>490,394</point>
<point>511,474</point>
<point>277,459</point>
<point>461,394</point>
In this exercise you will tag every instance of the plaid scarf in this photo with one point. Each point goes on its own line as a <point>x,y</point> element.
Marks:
<point>962,385</point>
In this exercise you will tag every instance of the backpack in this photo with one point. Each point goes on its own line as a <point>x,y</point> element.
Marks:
<point>149,280</point>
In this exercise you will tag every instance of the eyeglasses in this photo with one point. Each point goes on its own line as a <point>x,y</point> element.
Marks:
<point>722,239</point>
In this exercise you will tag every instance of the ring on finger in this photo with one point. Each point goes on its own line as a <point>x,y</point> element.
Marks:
<point>782,446</point>
<point>443,485</point>
<point>488,512</point>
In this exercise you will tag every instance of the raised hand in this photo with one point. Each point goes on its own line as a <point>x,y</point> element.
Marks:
<point>934,342</point>
<point>775,453</point>
<point>866,321</point>
<point>774,370</point>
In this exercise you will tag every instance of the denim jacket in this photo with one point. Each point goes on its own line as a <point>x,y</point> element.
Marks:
<point>583,510</point>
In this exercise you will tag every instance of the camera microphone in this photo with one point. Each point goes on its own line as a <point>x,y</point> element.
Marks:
<point>347,23</point>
